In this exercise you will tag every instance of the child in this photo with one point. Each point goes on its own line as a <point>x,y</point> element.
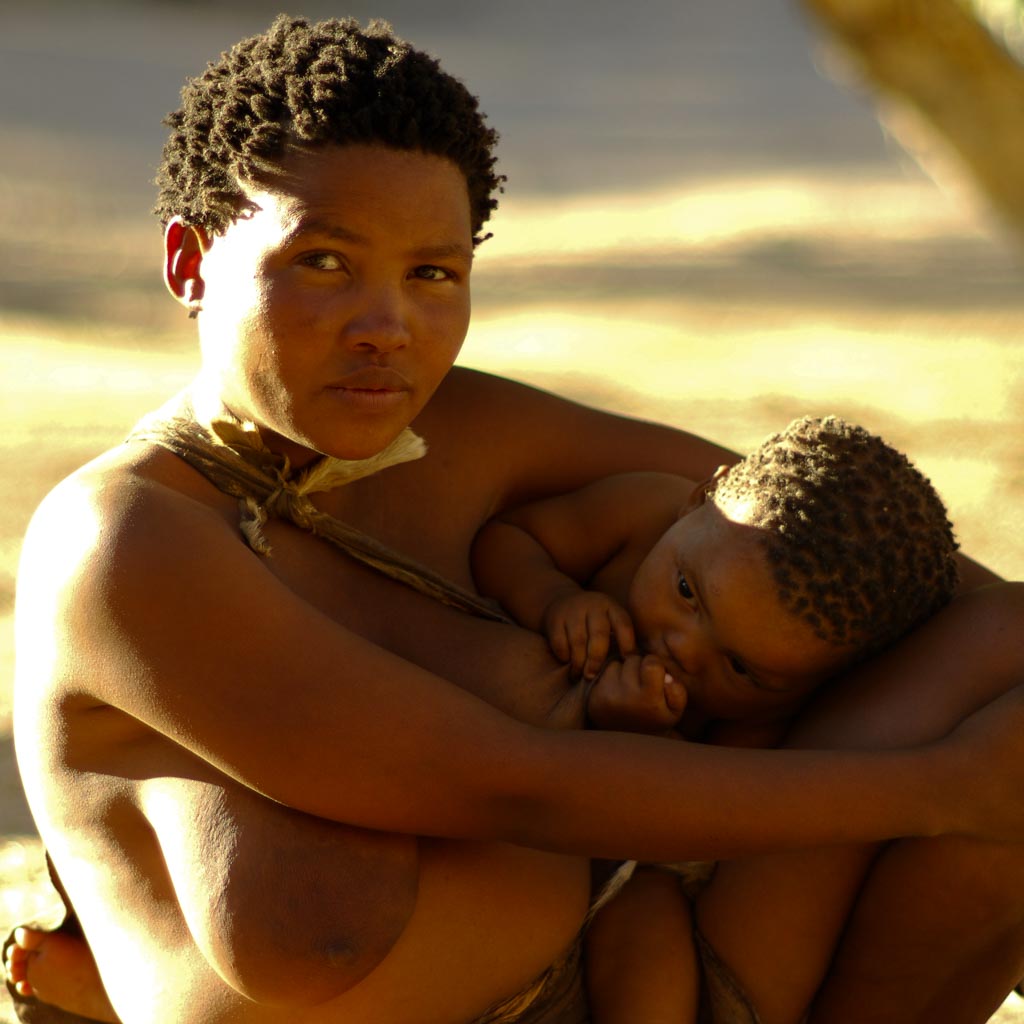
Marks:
<point>744,593</point>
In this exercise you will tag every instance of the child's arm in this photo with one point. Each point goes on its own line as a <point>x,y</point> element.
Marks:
<point>536,560</point>
<point>511,565</point>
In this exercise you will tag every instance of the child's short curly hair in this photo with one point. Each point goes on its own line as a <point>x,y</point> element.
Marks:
<point>310,85</point>
<point>857,539</point>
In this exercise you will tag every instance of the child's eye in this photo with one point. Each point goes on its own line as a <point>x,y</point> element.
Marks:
<point>742,672</point>
<point>684,588</point>
<point>738,667</point>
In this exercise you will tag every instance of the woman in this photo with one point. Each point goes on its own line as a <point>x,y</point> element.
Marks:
<point>226,753</point>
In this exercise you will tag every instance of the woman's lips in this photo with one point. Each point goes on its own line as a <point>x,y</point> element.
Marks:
<point>372,378</point>
<point>371,388</point>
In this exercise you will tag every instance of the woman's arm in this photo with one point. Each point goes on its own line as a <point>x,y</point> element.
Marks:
<point>200,642</point>
<point>535,444</point>
<point>539,444</point>
<point>973,574</point>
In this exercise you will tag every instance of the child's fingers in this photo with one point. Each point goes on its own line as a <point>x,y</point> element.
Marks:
<point>599,638</point>
<point>629,695</point>
<point>558,641</point>
<point>664,697</point>
<point>605,697</point>
<point>622,626</point>
<point>577,633</point>
<point>652,674</point>
<point>675,696</point>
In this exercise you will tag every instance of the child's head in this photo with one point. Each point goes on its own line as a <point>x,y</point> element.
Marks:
<point>858,541</point>
<point>820,548</point>
<point>302,85</point>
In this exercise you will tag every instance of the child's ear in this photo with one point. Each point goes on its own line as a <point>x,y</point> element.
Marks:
<point>700,493</point>
<point>184,248</point>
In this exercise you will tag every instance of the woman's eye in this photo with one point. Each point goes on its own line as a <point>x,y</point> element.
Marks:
<point>322,261</point>
<point>684,588</point>
<point>738,667</point>
<point>429,272</point>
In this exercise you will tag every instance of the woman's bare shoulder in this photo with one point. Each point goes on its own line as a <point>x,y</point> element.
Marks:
<point>123,484</point>
<point>131,499</point>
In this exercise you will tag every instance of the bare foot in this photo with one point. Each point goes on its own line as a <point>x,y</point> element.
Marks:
<point>58,969</point>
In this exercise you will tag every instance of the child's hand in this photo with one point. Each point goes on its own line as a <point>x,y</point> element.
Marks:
<point>636,695</point>
<point>580,626</point>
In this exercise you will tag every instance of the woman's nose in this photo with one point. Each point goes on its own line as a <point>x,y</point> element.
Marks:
<point>379,320</point>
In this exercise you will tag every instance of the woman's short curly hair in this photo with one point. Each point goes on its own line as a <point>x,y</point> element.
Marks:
<point>858,540</point>
<point>302,84</point>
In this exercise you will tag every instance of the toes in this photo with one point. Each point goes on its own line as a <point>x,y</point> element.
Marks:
<point>29,938</point>
<point>17,957</point>
<point>23,988</point>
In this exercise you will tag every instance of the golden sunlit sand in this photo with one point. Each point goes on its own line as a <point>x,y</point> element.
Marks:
<point>757,322</point>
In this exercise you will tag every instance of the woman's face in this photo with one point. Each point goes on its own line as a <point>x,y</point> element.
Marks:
<point>331,314</point>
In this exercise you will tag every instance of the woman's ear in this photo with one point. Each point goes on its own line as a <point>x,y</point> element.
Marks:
<point>184,249</point>
<point>700,493</point>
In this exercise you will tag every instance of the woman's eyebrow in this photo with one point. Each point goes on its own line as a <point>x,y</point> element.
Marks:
<point>444,251</point>
<point>330,229</point>
<point>311,225</point>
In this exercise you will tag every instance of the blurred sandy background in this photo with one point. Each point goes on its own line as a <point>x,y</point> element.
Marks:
<point>700,226</point>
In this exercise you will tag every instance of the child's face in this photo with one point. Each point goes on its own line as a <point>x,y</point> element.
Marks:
<point>704,600</point>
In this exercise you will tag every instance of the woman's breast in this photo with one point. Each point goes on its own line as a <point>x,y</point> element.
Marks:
<point>489,919</point>
<point>509,667</point>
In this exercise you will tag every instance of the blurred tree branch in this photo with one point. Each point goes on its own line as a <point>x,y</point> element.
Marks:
<point>937,57</point>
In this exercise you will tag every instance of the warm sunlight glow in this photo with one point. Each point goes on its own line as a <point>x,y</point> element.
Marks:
<point>719,213</point>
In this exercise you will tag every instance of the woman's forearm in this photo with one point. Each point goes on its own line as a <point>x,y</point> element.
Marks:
<point>614,795</point>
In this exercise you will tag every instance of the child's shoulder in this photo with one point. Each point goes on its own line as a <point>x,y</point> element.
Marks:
<point>637,506</point>
<point>651,488</point>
